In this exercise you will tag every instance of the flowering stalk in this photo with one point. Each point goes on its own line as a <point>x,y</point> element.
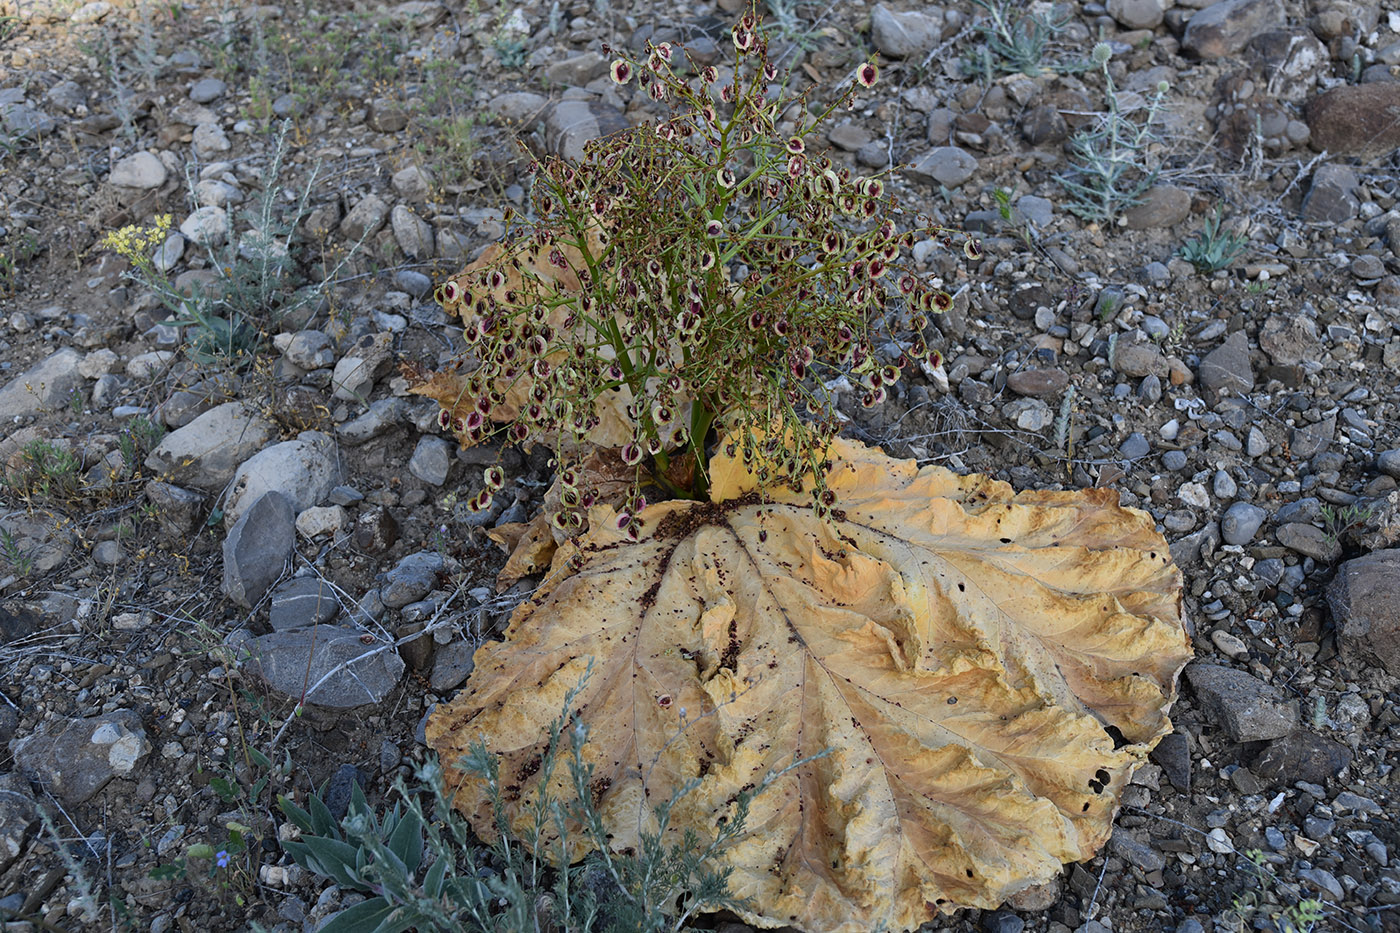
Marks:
<point>697,273</point>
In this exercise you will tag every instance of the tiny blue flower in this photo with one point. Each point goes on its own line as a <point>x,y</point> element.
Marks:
<point>221,858</point>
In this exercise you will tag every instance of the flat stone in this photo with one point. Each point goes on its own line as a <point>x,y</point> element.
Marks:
<point>515,106</point>
<point>1241,523</point>
<point>257,548</point>
<point>577,70</point>
<point>1301,756</point>
<point>295,660</point>
<point>1364,600</point>
<point>1226,370</point>
<point>1137,14</point>
<point>1173,756</point>
<point>308,349</point>
<point>1355,119</point>
<point>414,183</point>
<point>1135,446</point>
<point>902,34</point>
<point>948,166</point>
<point>413,234</point>
<point>48,385</point>
<point>1331,197</point>
<point>1135,852</point>
<point>207,226</point>
<point>411,579</point>
<point>1388,462</point>
<point>382,416</point>
<point>569,124</point>
<point>1256,444</point>
<point>75,758</point>
<point>322,520</point>
<point>303,470</point>
<point>44,538</point>
<point>1308,440</point>
<point>1226,27</point>
<point>207,90</point>
<point>1248,709</point>
<point>140,170</point>
<point>432,459</point>
<point>206,452</point>
<point>302,602</point>
<point>1289,339</point>
<point>364,219</point>
<point>19,816</point>
<point>1038,383</point>
<point>355,374</point>
<point>1310,541</point>
<point>1160,207</point>
<point>453,663</point>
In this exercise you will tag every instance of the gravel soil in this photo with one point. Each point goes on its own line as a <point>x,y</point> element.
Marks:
<point>1252,410</point>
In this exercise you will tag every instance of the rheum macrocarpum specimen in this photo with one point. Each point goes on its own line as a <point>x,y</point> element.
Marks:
<point>704,274</point>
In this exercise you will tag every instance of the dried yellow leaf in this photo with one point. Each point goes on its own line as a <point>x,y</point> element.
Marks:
<point>987,669</point>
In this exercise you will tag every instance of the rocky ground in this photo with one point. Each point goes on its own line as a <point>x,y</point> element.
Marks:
<point>149,634</point>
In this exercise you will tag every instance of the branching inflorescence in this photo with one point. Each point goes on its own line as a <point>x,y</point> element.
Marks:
<point>691,278</point>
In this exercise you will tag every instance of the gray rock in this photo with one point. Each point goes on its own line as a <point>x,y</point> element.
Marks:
<point>382,416</point>
<point>386,115</point>
<point>1038,383</point>
<point>295,660</point>
<point>67,96</point>
<point>1301,756</point>
<point>42,537</point>
<point>1289,339</point>
<point>1241,523</point>
<point>413,234</point>
<point>206,452</point>
<point>1135,852</point>
<point>1135,446</point>
<point>453,663</point>
<point>356,372</point>
<point>1223,485</point>
<point>1160,207</point>
<point>1310,541</point>
<point>1174,460</point>
<point>1137,14</point>
<point>1173,756</point>
<point>1331,197</point>
<point>518,106</point>
<point>1002,921</point>
<point>75,758</point>
<point>1306,441</point>
<point>1366,266</point>
<point>948,166</point>
<point>577,70</point>
<point>1256,444</point>
<point>415,283</point>
<point>303,470</point>
<point>364,219</point>
<point>1150,389</point>
<point>108,554</point>
<point>1248,709</point>
<point>1139,360</point>
<point>376,530</point>
<point>419,13</point>
<point>1364,600</point>
<point>47,385</point>
<point>208,140</point>
<point>1036,211</point>
<point>571,123</point>
<point>411,579</point>
<point>140,170</point>
<point>432,459</point>
<point>1388,462</point>
<point>308,349</point>
<point>207,90</point>
<point>302,602</point>
<point>902,34</point>
<point>413,183</point>
<point>1226,370</point>
<point>1226,27</point>
<point>207,226</point>
<point>19,817</point>
<point>257,548</point>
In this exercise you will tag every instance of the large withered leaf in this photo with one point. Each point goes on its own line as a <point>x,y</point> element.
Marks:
<point>967,654</point>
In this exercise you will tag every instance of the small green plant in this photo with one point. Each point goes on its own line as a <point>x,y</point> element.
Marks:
<point>1249,908</point>
<point>727,275</point>
<point>1019,41</point>
<point>20,560</point>
<point>1337,521</point>
<point>511,51</point>
<point>257,286</point>
<point>1110,166</point>
<point>423,872</point>
<point>1213,249</point>
<point>48,474</point>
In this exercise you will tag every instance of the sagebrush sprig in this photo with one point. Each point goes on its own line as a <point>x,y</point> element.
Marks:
<point>695,275</point>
